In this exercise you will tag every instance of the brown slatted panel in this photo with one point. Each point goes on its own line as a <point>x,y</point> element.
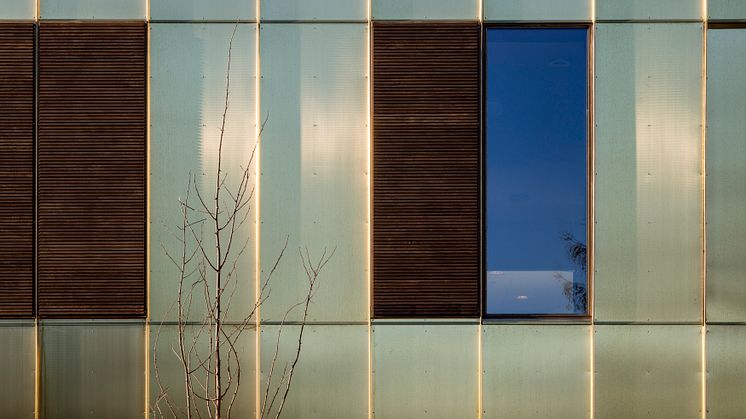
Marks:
<point>91,169</point>
<point>16,169</point>
<point>426,169</point>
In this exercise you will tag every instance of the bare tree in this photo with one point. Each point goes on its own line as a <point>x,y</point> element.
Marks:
<point>210,249</point>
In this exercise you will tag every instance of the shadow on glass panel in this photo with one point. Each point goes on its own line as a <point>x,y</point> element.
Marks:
<point>536,170</point>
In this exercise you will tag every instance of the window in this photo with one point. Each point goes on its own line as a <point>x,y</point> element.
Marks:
<point>17,168</point>
<point>91,154</point>
<point>426,138</point>
<point>73,158</point>
<point>536,166</point>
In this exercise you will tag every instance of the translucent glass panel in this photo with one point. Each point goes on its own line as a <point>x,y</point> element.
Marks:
<point>536,372</point>
<point>425,371</point>
<point>331,377</point>
<point>537,10</point>
<point>92,9</point>
<point>167,371</point>
<point>648,372</point>
<point>648,237</point>
<point>726,9</point>
<point>536,164</point>
<point>726,371</point>
<point>425,9</point>
<point>314,166</point>
<point>649,10</point>
<point>18,370</point>
<point>314,9</point>
<point>188,73</point>
<point>92,370</point>
<point>726,175</point>
<point>17,9</point>
<point>227,10</point>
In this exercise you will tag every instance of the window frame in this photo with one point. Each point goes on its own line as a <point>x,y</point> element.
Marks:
<point>590,177</point>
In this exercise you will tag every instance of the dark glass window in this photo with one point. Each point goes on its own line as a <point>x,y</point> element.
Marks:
<point>536,170</point>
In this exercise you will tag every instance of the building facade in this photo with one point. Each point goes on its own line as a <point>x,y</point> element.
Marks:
<point>361,130</point>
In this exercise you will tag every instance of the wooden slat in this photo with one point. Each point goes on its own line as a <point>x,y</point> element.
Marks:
<point>426,145</point>
<point>16,169</point>
<point>91,169</point>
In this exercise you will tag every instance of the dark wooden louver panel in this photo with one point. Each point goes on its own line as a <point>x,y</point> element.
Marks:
<point>426,104</point>
<point>91,169</point>
<point>16,169</point>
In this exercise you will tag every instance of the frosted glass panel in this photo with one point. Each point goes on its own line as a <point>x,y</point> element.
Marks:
<point>92,371</point>
<point>648,372</point>
<point>648,10</point>
<point>648,237</point>
<point>314,9</point>
<point>17,9</point>
<point>228,10</point>
<point>167,380</point>
<point>726,9</point>
<point>425,371</point>
<point>331,377</point>
<point>18,370</point>
<point>315,166</point>
<point>536,372</point>
<point>92,9</point>
<point>188,67</point>
<point>726,175</point>
<point>537,10</point>
<point>425,9</point>
<point>726,371</point>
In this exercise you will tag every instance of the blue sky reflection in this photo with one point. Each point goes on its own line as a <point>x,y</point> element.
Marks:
<point>536,165</point>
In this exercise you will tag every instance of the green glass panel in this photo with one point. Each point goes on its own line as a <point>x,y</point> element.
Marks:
<point>649,10</point>
<point>726,9</point>
<point>425,371</point>
<point>726,175</point>
<point>331,377</point>
<point>646,371</point>
<point>726,371</point>
<point>92,370</point>
<point>188,70</point>
<point>537,10</point>
<point>536,372</point>
<point>314,9</point>
<point>648,192</point>
<point>225,10</point>
<point>18,369</point>
<point>92,9</point>
<point>17,9</point>
<point>314,164</point>
<point>425,9</point>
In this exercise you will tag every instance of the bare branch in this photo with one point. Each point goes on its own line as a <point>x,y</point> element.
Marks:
<point>209,273</point>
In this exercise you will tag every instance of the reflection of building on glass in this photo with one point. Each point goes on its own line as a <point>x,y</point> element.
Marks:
<point>535,292</point>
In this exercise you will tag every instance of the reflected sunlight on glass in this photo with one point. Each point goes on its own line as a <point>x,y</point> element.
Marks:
<point>187,102</point>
